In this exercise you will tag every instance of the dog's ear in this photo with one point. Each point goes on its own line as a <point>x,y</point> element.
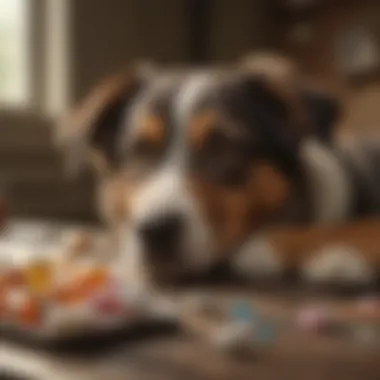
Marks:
<point>273,100</point>
<point>311,111</point>
<point>90,133</point>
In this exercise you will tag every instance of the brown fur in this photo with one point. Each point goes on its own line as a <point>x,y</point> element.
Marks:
<point>74,133</point>
<point>201,126</point>
<point>152,129</point>
<point>111,199</point>
<point>234,212</point>
<point>297,244</point>
<point>282,78</point>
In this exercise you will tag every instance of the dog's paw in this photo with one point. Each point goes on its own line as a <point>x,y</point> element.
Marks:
<point>258,259</point>
<point>340,265</point>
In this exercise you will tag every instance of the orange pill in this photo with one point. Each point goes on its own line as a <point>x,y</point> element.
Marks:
<point>3,297</point>
<point>15,277</point>
<point>3,306</point>
<point>92,280</point>
<point>67,295</point>
<point>30,313</point>
<point>39,277</point>
<point>82,286</point>
<point>3,285</point>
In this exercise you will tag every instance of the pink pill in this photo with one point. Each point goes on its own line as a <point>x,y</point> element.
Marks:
<point>108,301</point>
<point>111,306</point>
<point>312,319</point>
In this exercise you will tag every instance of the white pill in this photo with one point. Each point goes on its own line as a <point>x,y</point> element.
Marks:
<point>16,298</point>
<point>234,336</point>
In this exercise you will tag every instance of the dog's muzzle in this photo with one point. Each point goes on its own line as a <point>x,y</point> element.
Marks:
<point>162,237</point>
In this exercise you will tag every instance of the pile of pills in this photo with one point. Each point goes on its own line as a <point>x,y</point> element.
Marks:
<point>237,329</point>
<point>240,327</point>
<point>359,320</point>
<point>66,294</point>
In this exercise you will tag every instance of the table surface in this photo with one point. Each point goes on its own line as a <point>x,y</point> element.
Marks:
<point>294,356</point>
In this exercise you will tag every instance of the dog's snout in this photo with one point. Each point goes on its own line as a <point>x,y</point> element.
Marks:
<point>163,233</point>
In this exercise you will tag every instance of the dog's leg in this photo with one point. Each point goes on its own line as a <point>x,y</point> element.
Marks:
<point>128,260</point>
<point>345,254</point>
<point>259,258</point>
<point>123,250</point>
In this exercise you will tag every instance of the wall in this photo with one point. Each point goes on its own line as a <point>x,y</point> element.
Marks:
<point>103,38</point>
<point>237,28</point>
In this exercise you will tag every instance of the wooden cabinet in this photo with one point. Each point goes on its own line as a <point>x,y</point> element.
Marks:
<point>337,41</point>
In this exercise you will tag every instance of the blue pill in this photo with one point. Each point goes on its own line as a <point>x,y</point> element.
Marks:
<point>243,312</point>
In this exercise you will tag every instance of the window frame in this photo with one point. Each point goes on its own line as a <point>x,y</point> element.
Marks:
<point>37,54</point>
<point>35,44</point>
<point>42,73</point>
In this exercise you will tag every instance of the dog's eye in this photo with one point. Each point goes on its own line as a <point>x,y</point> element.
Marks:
<point>216,141</point>
<point>222,160</point>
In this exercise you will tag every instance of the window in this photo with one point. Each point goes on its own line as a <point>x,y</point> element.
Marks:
<point>15,60</point>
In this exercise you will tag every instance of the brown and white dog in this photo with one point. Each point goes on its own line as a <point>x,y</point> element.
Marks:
<point>238,163</point>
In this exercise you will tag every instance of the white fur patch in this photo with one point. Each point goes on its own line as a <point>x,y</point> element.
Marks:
<point>166,192</point>
<point>197,84</point>
<point>332,192</point>
<point>129,264</point>
<point>161,194</point>
<point>258,258</point>
<point>338,264</point>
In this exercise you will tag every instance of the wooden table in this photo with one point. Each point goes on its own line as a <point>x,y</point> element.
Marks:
<point>175,359</point>
<point>294,356</point>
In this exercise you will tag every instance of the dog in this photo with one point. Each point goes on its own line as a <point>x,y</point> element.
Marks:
<point>236,164</point>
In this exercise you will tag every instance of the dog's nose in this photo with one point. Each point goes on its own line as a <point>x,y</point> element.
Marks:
<point>162,234</point>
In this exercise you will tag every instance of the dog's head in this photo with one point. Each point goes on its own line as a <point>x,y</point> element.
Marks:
<point>202,158</point>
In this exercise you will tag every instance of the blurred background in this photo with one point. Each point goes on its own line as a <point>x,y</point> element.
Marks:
<point>53,51</point>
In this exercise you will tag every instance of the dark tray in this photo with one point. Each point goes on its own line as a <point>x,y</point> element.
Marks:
<point>93,341</point>
<point>6,374</point>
